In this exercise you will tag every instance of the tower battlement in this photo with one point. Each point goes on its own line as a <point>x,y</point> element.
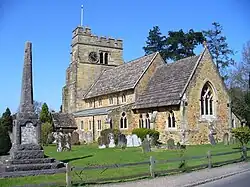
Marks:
<point>84,36</point>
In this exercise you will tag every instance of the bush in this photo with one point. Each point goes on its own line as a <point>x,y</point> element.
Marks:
<point>242,134</point>
<point>5,142</point>
<point>47,128</point>
<point>105,133</point>
<point>142,133</point>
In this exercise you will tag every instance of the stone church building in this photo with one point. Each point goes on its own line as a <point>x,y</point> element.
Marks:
<point>184,100</point>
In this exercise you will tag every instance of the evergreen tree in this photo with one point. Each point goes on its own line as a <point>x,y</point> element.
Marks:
<point>7,120</point>
<point>5,142</point>
<point>45,115</point>
<point>176,46</point>
<point>155,42</point>
<point>218,46</point>
<point>181,45</point>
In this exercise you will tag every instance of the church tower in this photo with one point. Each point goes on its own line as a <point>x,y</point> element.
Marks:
<point>89,57</point>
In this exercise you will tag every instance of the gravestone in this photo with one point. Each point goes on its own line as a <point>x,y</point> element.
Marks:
<point>170,143</point>
<point>101,142</point>
<point>129,141</point>
<point>211,139</point>
<point>111,140</point>
<point>146,146</point>
<point>89,137</point>
<point>122,140</point>
<point>139,141</point>
<point>81,135</point>
<point>152,141</point>
<point>102,146</point>
<point>67,141</point>
<point>226,139</point>
<point>135,140</point>
<point>75,138</point>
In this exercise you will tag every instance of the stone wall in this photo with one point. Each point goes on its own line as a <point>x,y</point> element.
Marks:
<point>90,123</point>
<point>103,101</point>
<point>198,127</point>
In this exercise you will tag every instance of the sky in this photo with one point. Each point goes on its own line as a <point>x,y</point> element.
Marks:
<point>48,24</point>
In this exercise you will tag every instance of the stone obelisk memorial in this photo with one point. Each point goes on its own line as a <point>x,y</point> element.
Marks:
<point>27,155</point>
<point>27,130</point>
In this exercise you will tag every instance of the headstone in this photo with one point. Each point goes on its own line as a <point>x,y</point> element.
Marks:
<point>102,146</point>
<point>170,143</point>
<point>111,140</point>
<point>75,138</point>
<point>81,135</point>
<point>122,140</point>
<point>135,141</point>
<point>101,142</point>
<point>226,139</point>
<point>211,139</point>
<point>89,137</point>
<point>146,146</point>
<point>60,141</point>
<point>139,141</point>
<point>152,141</point>
<point>67,144</point>
<point>129,141</point>
<point>148,137</point>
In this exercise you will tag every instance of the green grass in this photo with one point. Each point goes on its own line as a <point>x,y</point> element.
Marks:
<point>83,156</point>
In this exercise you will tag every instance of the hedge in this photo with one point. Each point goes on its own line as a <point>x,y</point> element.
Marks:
<point>142,133</point>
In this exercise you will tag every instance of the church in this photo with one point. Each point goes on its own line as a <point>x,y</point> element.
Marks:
<point>184,100</point>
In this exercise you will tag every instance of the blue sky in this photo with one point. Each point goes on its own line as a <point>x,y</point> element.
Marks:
<point>48,24</point>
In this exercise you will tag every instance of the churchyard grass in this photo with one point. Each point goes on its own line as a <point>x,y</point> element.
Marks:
<point>83,155</point>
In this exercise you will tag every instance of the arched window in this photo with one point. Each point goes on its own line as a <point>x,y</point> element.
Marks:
<point>147,121</point>
<point>207,100</point>
<point>171,120</point>
<point>140,121</point>
<point>123,121</point>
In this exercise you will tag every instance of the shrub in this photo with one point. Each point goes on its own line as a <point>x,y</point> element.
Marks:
<point>5,142</point>
<point>105,133</point>
<point>47,128</point>
<point>242,134</point>
<point>142,133</point>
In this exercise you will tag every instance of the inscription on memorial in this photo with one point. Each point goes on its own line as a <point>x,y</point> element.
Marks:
<point>28,134</point>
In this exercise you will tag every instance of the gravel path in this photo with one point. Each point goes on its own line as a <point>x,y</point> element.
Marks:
<point>188,179</point>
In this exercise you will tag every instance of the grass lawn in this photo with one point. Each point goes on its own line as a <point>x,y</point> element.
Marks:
<point>83,156</point>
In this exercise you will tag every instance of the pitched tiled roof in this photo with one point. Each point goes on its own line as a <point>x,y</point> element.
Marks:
<point>63,120</point>
<point>167,84</point>
<point>120,78</point>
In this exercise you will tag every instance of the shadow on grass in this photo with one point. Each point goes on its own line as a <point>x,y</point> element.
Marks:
<point>76,158</point>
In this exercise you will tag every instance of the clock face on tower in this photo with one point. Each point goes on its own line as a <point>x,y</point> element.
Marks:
<point>93,57</point>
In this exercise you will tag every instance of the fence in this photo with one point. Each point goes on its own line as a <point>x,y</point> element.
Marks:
<point>152,166</point>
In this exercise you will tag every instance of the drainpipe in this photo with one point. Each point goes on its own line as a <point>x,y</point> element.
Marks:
<point>230,114</point>
<point>93,124</point>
